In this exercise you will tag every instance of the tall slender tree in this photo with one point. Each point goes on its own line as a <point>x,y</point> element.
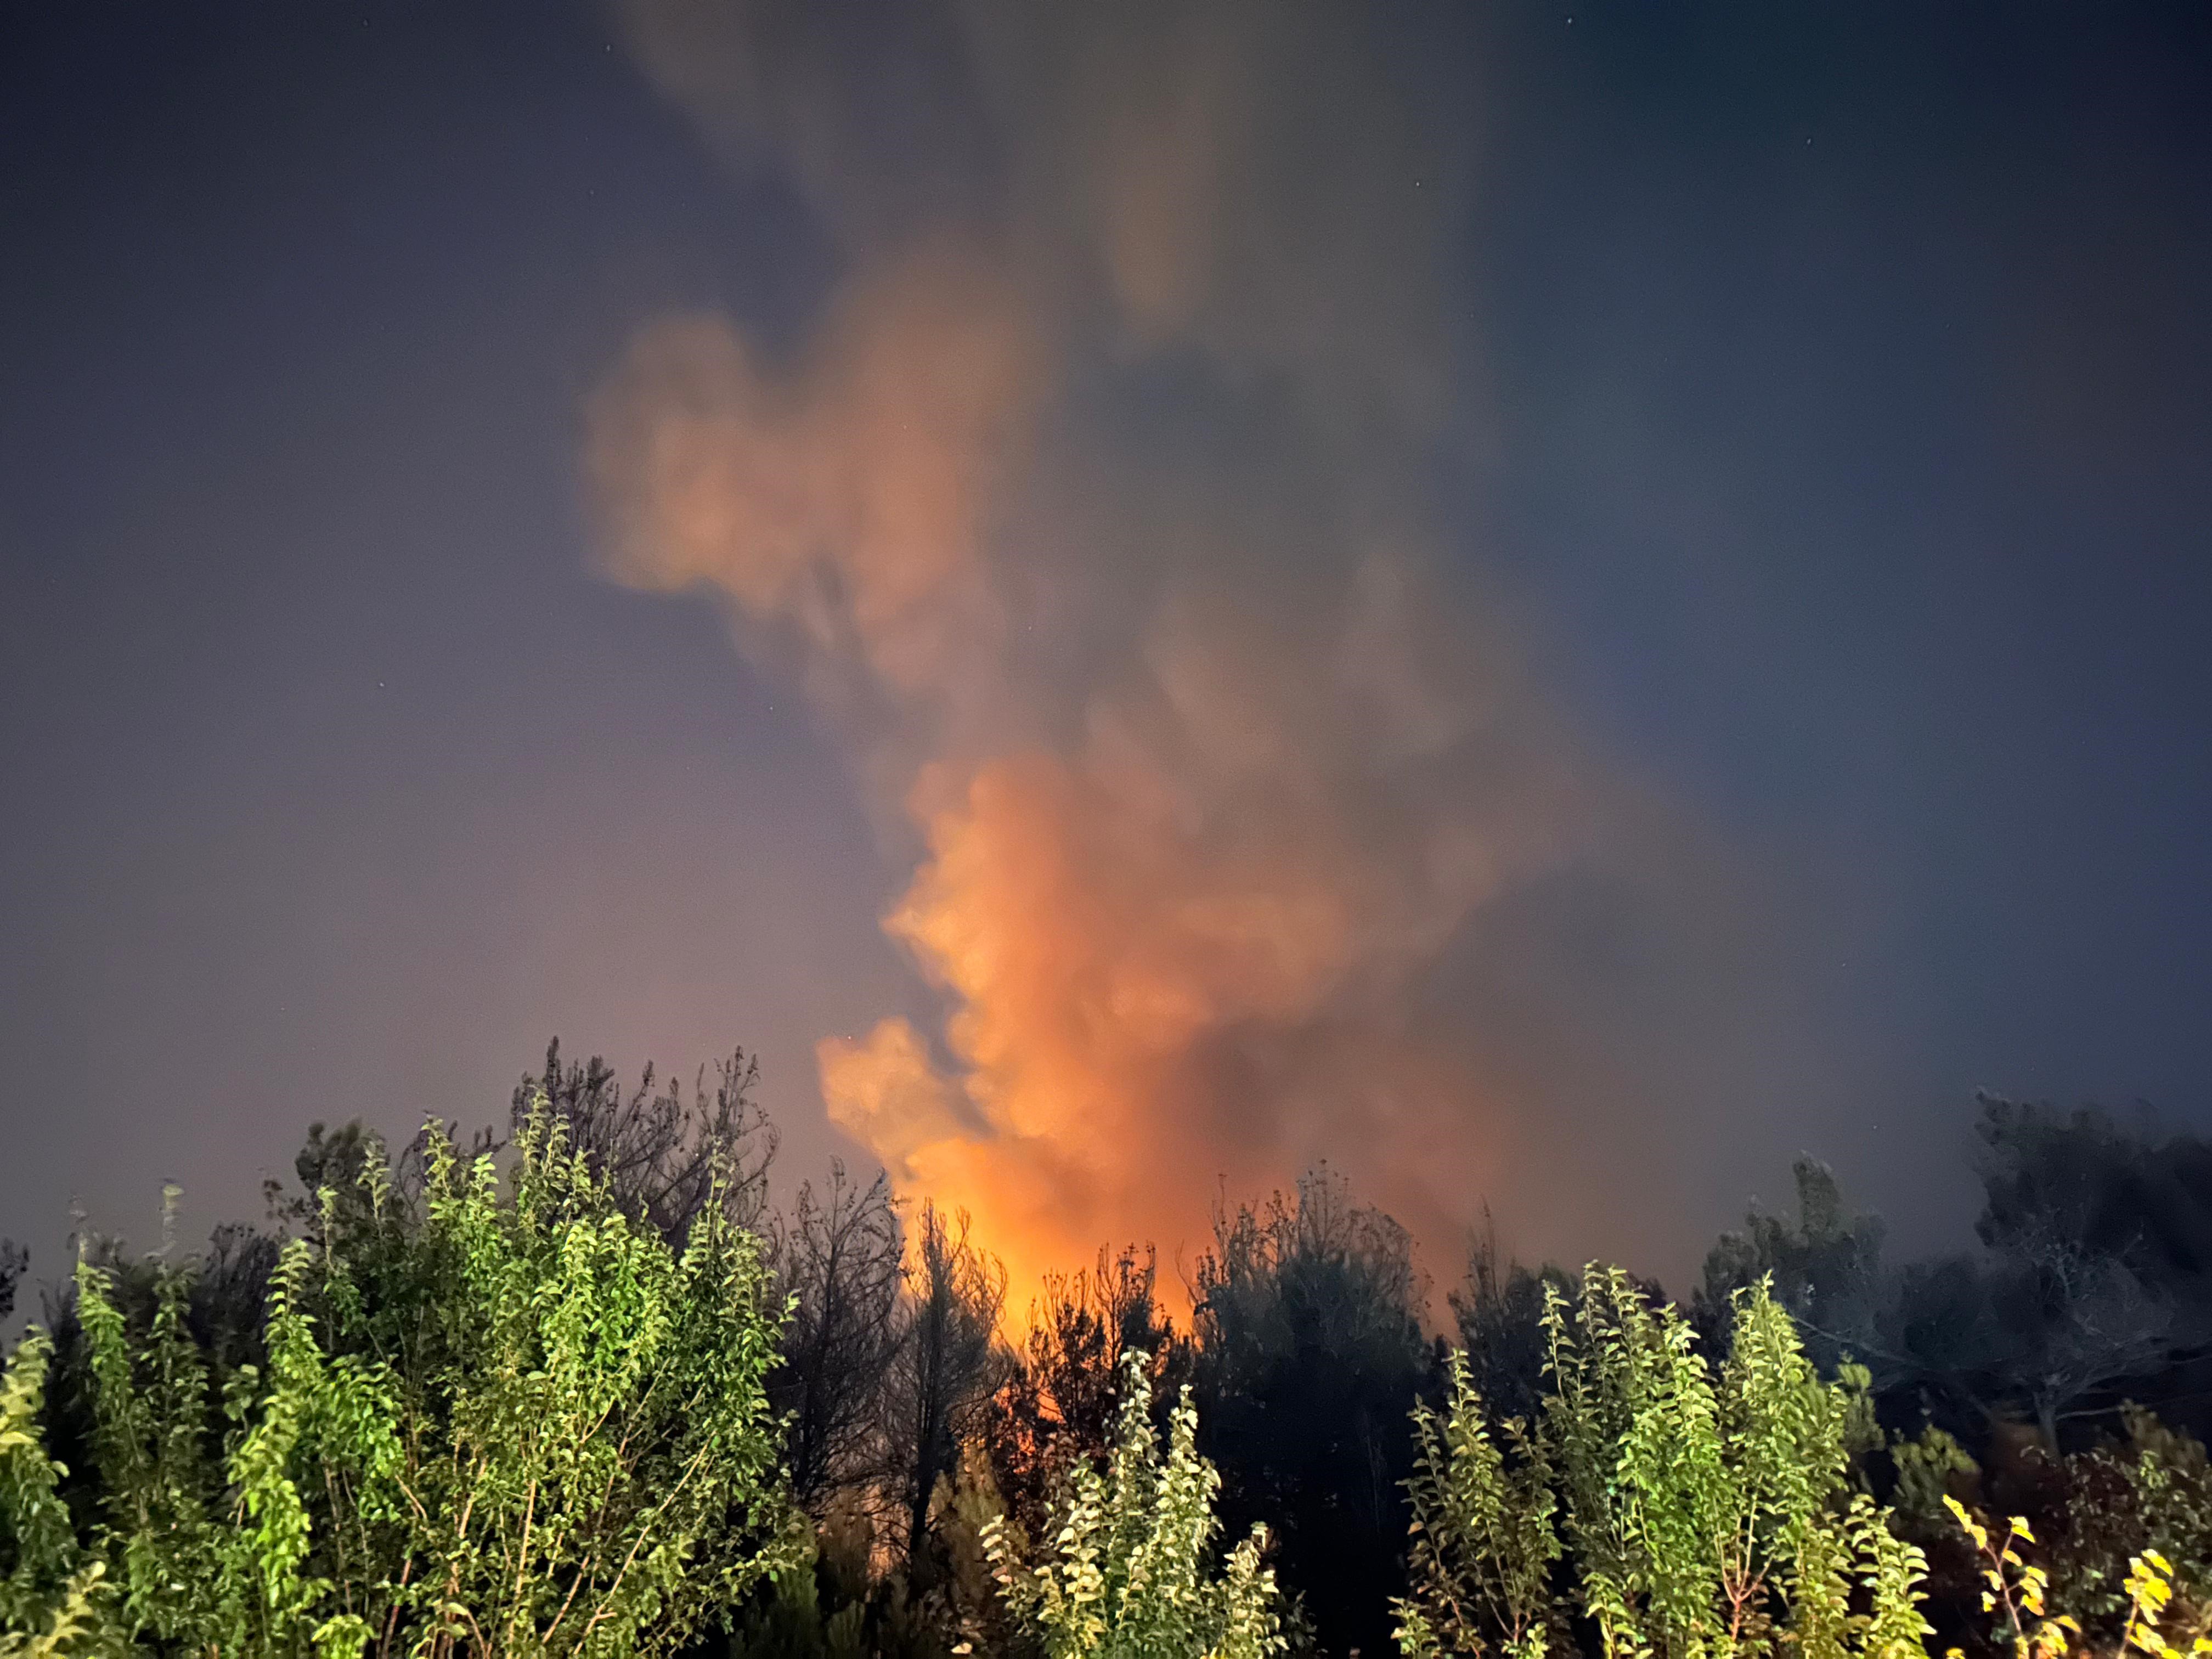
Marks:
<point>1311,1356</point>
<point>949,1363</point>
<point>663,1154</point>
<point>837,1260</point>
<point>1060,1401</point>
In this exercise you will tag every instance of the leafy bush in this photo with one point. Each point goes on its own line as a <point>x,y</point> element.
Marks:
<point>512,1421</point>
<point>2149,1494</point>
<point>1677,1511</point>
<point>52,1596</point>
<point>2084,1525</point>
<point>2015,1592</point>
<point>1126,1574</point>
<point>1485,1531</point>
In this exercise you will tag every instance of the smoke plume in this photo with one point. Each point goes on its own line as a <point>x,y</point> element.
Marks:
<point>1093,513</point>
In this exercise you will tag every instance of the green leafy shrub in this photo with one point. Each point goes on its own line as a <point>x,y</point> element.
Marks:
<point>2014,1589</point>
<point>2016,1593</point>
<point>1678,1511</point>
<point>2148,1494</point>
<point>53,1596</point>
<point>1127,1572</point>
<point>508,1419</point>
<point>1485,1531</point>
<point>2090,1521</point>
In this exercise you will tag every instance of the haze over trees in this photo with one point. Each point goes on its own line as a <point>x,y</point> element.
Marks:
<point>577,1387</point>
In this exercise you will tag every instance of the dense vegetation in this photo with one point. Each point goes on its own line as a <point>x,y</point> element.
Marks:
<point>581,1391</point>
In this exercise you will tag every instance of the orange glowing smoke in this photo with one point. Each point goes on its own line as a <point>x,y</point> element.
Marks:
<point>1264,820</point>
<point>1208,771</point>
<point>1107,923</point>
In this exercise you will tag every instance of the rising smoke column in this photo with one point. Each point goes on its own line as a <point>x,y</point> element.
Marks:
<point>1090,514</point>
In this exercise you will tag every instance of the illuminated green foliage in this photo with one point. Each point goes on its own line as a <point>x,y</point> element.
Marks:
<point>1695,1514</point>
<point>506,1420</point>
<point>2147,1494</point>
<point>2015,1590</point>
<point>1126,1573</point>
<point>1485,1531</point>
<point>52,1596</point>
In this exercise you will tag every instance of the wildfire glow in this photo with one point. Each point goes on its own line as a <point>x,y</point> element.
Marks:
<point>1204,770</point>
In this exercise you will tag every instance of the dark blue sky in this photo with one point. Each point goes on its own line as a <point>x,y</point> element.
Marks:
<point>1843,464</point>
<point>1863,379</point>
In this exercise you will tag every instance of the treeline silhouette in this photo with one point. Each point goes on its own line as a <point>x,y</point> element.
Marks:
<point>2058,1373</point>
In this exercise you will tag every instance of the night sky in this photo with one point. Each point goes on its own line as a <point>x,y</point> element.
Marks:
<point>1551,606</point>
